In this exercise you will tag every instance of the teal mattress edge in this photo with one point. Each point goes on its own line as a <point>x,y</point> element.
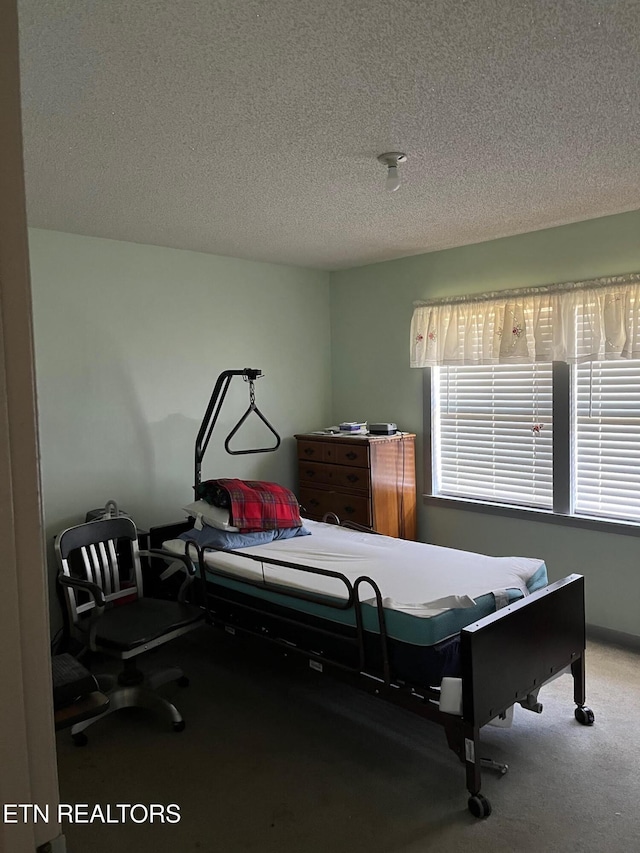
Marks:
<point>418,631</point>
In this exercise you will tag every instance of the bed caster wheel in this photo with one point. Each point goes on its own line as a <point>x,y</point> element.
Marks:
<point>80,739</point>
<point>479,806</point>
<point>179,727</point>
<point>584,715</point>
<point>183,681</point>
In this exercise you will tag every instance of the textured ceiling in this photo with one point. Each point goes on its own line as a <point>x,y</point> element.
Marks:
<point>251,127</point>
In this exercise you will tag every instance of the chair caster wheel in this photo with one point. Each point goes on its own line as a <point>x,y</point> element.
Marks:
<point>479,806</point>
<point>183,681</point>
<point>80,739</point>
<point>584,715</point>
<point>179,727</point>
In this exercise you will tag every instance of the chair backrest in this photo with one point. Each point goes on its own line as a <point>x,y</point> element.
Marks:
<point>105,553</point>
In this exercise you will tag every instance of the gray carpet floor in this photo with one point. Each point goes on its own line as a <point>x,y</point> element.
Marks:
<point>279,759</point>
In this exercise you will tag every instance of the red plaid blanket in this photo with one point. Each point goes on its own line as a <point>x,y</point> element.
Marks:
<point>256,505</point>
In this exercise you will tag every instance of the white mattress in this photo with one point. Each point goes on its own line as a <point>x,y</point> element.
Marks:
<point>414,578</point>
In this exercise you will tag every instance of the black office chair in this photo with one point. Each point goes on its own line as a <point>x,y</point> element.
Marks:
<point>101,578</point>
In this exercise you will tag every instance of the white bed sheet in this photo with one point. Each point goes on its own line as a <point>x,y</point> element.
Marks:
<point>415,578</point>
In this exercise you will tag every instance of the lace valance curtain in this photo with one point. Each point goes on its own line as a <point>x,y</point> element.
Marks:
<point>573,322</point>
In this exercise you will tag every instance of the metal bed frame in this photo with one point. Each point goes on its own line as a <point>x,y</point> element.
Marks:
<point>505,657</point>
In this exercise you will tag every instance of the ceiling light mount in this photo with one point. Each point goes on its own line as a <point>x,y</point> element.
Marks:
<point>391,160</point>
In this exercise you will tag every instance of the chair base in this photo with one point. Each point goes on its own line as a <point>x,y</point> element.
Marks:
<point>136,696</point>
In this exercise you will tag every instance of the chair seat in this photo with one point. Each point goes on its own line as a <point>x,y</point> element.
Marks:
<point>75,692</point>
<point>132,625</point>
<point>70,680</point>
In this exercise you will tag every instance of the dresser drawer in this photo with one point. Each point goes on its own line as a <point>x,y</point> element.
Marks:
<point>346,477</point>
<point>352,454</point>
<point>310,450</point>
<point>317,502</point>
<point>317,451</point>
<point>338,476</point>
<point>314,472</point>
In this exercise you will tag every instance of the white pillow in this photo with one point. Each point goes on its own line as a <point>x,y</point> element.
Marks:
<point>214,516</point>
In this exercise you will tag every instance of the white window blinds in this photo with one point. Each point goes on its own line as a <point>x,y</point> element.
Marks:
<point>493,433</point>
<point>607,439</point>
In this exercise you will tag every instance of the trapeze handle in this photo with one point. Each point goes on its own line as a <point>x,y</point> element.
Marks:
<point>252,408</point>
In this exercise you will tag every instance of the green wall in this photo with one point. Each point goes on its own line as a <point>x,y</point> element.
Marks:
<point>370,314</point>
<point>129,341</point>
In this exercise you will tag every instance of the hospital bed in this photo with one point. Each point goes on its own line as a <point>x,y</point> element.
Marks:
<point>394,618</point>
<point>400,620</point>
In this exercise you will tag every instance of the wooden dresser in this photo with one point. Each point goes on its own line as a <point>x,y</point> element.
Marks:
<point>367,479</point>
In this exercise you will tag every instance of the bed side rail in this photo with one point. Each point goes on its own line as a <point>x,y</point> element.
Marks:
<point>353,602</point>
<point>511,653</point>
<point>332,518</point>
<point>272,586</point>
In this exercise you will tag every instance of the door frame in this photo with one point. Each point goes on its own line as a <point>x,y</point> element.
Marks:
<point>28,768</point>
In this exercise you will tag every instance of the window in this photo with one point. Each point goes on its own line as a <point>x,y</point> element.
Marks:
<point>533,397</point>
<point>493,436</point>
<point>607,439</point>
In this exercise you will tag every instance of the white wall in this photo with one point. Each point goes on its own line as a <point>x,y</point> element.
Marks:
<point>371,311</point>
<point>129,342</point>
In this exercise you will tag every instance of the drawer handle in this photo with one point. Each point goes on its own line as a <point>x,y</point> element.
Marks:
<point>314,502</point>
<point>349,509</point>
<point>310,473</point>
<point>352,455</point>
<point>353,478</point>
<point>309,451</point>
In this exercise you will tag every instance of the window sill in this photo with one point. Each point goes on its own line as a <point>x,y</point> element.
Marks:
<point>624,528</point>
